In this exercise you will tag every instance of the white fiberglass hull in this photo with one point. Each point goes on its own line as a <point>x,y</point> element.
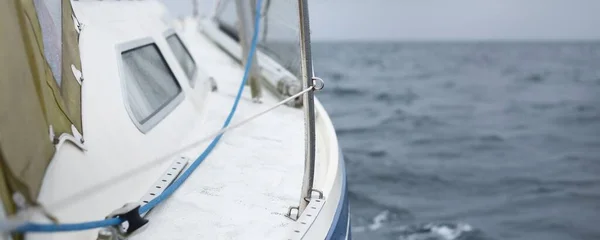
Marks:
<point>242,190</point>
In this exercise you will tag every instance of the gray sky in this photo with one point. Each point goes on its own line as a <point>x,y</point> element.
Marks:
<point>446,19</point>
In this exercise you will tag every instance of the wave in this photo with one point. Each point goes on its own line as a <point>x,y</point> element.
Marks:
<point>428,231</point>
<point>547,105</point>
<point>346,91</point>
<point>416,121</point>
<point>492,138</point>
<point>393,212</point>
<point>375,153</point>
<point>407,97</point>
<point>440,140</point>
<point>579,118</point>
<point>435,231</point>
<point>333,75</point>
<point>535,77</point>
<point>407,178</point>
<point>377,222</point>
<point>354,130</point>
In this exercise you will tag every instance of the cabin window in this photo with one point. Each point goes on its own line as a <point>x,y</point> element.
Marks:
<point>150,86</point>
<point>183,57</point>
<point>49,15</point>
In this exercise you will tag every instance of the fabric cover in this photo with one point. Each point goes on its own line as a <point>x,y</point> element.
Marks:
<point>31,102</point>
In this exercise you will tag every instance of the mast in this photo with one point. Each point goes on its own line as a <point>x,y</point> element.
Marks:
<point>246,29</point>
<point>195,8</point>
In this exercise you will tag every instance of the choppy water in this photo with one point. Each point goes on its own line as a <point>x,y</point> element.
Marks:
<point>467,140</point>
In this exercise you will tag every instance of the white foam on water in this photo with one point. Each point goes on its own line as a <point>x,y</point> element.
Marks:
<point>438,232</point>
<point>429,231</point>
<point>379,220</point>
<point>449,233</point>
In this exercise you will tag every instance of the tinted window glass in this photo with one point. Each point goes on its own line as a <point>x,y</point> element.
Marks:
<point>149,83</point>
<point>183,57</point>
<point>49,16</point>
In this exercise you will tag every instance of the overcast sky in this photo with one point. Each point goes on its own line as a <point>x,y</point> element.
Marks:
<point>445,19</point>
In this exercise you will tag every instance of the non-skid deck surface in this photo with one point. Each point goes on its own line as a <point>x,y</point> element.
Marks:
<point>244,187</point>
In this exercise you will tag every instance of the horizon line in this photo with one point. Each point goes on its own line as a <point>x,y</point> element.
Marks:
<point>461,40</point>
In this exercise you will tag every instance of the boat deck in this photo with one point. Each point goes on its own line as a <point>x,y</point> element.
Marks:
<point>245,186</point>
<point>242,189</point>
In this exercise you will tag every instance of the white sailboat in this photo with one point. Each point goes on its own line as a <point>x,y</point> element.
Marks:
<point>118,121</point>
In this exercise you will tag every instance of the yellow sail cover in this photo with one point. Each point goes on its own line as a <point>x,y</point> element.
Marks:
<point>34,109</point>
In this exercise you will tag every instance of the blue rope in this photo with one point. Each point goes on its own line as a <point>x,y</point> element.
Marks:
<point>37,227</point>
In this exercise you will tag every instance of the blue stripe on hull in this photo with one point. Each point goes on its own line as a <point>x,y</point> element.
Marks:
<point>340,228</point>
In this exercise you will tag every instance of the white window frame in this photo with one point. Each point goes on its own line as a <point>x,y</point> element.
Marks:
<point>165,110</point>
<point>193,80</point>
